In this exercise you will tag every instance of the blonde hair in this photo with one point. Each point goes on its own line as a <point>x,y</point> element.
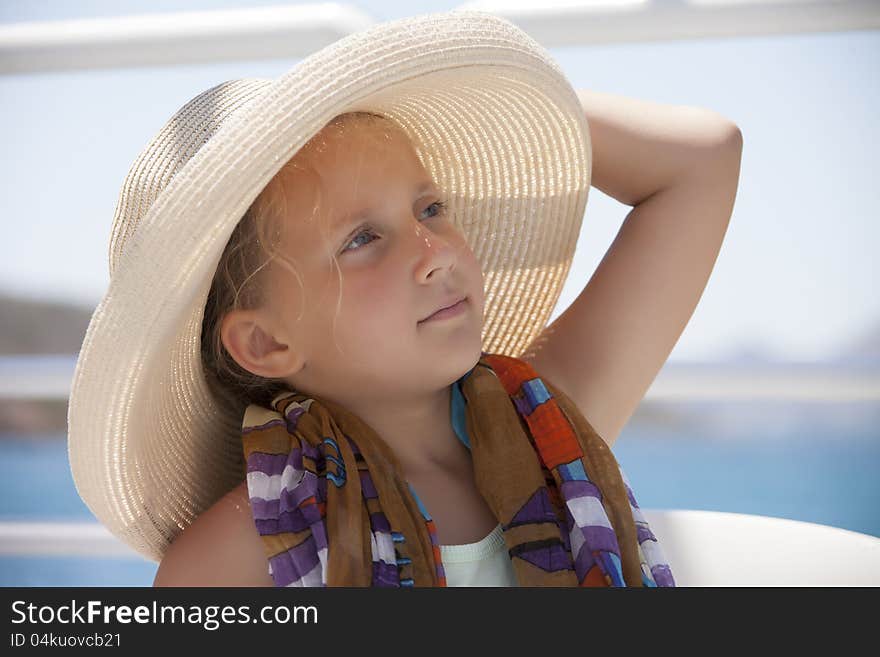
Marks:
<point>240,281</point>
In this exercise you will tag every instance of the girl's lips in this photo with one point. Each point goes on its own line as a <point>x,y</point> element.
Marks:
<point>452,311</point>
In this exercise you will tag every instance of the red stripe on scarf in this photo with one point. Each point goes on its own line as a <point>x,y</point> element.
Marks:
<point>551,430</point>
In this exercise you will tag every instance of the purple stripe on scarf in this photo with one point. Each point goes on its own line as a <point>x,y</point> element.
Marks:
<point>291,417</point>
<point>273,526</point>
<point>319,532</point>
<point>584,562</point>
<point>537,509</point>
<point>269,522</point>
<point>560,558</point>
<point>632,498</point>
<point>290,523</point>
<point>662,575</point>
<point>522,406</point>
<point>385,574</point>
<point>311,451</point>
<point>550,558</point>
<point>600,538</point>
<point>260,427</point>
<point>367,486</point>
<point>268,464</point>
<point>379,523</point>
<point>276,516</point>
<point>295,457</point>
<point>292,564</point>
<point>643,533</point>
<point>264,509</point>
<point>577,488</point>
<point>299,519</point>
<point>306,488</point>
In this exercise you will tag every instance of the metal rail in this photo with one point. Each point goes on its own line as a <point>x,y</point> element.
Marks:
<point>293,32</point>
<point>48,377</point>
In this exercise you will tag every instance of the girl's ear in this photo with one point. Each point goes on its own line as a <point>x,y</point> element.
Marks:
<point>249,337</point>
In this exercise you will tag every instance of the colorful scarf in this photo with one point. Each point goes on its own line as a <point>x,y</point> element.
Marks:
<point>566,508</point>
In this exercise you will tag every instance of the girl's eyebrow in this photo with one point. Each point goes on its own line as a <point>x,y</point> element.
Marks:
<point>348,218</point>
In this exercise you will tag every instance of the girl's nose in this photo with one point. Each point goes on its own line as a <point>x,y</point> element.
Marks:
<point>435,251</point>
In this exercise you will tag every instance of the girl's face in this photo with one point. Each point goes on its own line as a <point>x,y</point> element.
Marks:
<point>365,198</point>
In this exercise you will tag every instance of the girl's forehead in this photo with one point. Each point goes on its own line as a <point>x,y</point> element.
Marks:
<point>332,176</point>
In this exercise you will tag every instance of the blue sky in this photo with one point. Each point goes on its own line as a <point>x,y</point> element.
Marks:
<point>794,276</point>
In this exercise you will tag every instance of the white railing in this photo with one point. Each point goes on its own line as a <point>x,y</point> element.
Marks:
<point>175,39</point>
<point>285,32</point>
<point>578,23</point>
<point>61,539</point>
<point>49,377</point>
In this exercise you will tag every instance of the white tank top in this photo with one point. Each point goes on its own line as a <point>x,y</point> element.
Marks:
<point>484,563</point>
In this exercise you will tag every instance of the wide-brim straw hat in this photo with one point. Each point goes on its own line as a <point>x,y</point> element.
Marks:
<point>494,121</point>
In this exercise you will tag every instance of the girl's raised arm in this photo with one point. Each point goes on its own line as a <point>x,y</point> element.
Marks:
<point>678,166</point>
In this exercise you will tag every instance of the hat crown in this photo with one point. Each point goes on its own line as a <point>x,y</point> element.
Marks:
<point>191,127</point>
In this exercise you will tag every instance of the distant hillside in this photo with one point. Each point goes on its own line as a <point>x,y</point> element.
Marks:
<point>32,326</point>
<point>29,326</point>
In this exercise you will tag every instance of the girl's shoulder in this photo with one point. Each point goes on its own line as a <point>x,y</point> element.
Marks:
<point>220,548</point>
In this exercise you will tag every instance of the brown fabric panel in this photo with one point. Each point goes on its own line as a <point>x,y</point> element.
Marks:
<point>271,440</point>
<point>536,577</point>
<point>507,472</point>
<point>399,507</point>
<point>350,558</point>
<point>507,469</point>
<point>278,543</point>
<point>531,532</point>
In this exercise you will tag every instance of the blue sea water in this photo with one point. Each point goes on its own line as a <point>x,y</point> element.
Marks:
<point>823,477</point>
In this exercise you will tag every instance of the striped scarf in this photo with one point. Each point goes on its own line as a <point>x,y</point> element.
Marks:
<point>566,508</point>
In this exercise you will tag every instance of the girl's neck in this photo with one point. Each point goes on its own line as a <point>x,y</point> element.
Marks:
<point>419,431</point>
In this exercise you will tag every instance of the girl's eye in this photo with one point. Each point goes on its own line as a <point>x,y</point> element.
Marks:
<point>440,207</point>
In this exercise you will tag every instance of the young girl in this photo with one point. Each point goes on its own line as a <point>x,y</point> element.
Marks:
<point>326,310</point>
